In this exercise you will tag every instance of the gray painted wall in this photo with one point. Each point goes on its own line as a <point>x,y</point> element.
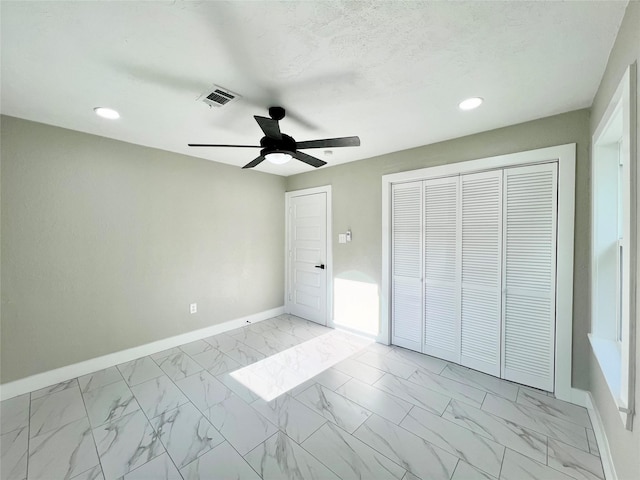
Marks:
<point>105,244</point>
<point>357,202</point>
<point>625,445</point>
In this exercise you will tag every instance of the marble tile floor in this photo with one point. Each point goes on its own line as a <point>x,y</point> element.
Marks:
<point>286,398</point>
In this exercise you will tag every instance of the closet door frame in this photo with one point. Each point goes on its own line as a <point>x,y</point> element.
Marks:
<point>565,156</point>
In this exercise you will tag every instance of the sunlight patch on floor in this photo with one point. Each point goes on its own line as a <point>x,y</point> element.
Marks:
<point>279,373</point>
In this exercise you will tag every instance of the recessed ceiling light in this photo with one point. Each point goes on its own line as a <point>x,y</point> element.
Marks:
<point>105,112</point>
<point>470,103</point>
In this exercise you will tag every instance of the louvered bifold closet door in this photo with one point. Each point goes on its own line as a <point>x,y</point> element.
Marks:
<point>442,268</point>
<point>481,204</point>
<point>530,275</point>
<point>406,238</point>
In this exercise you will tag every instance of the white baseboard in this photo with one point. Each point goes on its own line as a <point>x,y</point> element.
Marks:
<point>579,397</point>
<point>601,438</point>
<point>41,380</point>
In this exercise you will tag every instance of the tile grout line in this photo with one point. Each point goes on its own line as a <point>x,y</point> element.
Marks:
<point>571,446</point>
<point>293,398</point>
<point>501,419</point>
<point>504,455</point>
<point>547,451</point>
<point>154,430</point>
<point>421,386</point>
<point>406,415</point>
<point>313,456</point>
<point>29,435</point>
<point>312,433</point>
<point>552,419</point>
<point>456,467</point>
<point>586,431</point>
<point>453,423</point>
<point>554,468</point>
<point>345,398</point>
<point>204,416</point>
<point>276,426</point>
<point>384,392</point>
<point>483,391</point>
<point>166,449</point>
<point>95,444</point>
<point>566,417</point>
<point>482,404</point>
<point>419,437</point>
<point>445,409</point>
<point>360,440</point>
<point>258,445</point>
<point>221,434</point>
<point>135,399</point>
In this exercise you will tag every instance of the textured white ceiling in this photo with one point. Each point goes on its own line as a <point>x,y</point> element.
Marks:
<point>390,72</point>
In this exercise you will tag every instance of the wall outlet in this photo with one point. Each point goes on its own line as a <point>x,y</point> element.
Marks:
<point>342,238</point>
<point>193,308</point>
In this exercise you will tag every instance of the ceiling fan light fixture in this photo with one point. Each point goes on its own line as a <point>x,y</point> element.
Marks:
<point>278,158</point>
<point>279,148</point>
<point>105,112</point>
<point>470,103</point>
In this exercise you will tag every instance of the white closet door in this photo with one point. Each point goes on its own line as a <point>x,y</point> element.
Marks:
<point>442,268</point>
<point>406,225</point>
<point>481,204</point>
<point>530,275</point>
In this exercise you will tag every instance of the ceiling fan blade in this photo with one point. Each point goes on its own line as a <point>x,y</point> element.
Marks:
<point>269,126</point>
<point>308,159</point>
<point>254,162</point>
<point>221,145</point>
<point>330,143</point>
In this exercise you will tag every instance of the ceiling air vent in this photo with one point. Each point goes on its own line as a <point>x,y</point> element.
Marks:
<point>218,97</point>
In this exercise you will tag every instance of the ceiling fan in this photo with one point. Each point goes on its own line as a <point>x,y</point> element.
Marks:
<point>279,148</point>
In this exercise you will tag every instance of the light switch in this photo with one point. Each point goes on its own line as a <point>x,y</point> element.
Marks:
<point>342,238</point>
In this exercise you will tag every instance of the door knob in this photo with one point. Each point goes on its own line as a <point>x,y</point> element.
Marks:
<point>320,266</point>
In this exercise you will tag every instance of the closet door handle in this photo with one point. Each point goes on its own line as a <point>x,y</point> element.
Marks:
<point>321,266</point>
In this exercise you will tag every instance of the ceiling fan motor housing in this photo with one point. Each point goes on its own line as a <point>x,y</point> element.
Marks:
<point>271,145</point>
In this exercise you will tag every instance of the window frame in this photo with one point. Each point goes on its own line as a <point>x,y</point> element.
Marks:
<point>611,337</point>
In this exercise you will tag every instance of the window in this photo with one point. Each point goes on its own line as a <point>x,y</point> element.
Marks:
<point>613,243</point>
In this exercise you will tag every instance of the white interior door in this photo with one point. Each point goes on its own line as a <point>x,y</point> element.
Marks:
<point>406,261</point>
<point>307,249</point>
<point>481,271</point>
<point>442,268</point>
<point>530,195</point>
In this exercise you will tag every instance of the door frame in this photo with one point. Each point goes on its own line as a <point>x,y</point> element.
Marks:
<point>565,156</point>
<point>329,260</point>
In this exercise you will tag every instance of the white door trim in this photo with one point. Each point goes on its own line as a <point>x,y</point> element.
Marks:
<point>565,155</point>
<point>329,262</point>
